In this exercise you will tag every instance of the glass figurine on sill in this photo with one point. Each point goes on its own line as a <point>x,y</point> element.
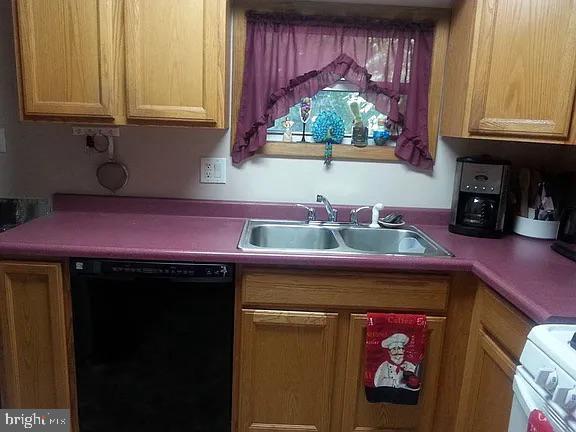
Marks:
<point>287,124</point>
<point>305,111</point>
<point>359,131</point>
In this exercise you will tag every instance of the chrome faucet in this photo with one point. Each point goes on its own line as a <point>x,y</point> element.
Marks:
<point>332,212</point>
<point>354,214</point>
<point>310,213</point>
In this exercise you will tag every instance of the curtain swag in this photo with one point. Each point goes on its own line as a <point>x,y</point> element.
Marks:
<point>289,57</point>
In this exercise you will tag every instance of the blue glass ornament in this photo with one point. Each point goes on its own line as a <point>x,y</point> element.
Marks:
<point>381,136</point>
<point>328,124</point>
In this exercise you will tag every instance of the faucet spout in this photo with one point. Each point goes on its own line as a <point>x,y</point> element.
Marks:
<point>332,212</point>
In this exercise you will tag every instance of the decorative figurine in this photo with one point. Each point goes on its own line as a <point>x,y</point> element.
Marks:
<point>394,128</point>
<point>287,124</point>
<point>359,131</point>
<point>305,111</point>
<point>381,134</point>
<point>328,129</point>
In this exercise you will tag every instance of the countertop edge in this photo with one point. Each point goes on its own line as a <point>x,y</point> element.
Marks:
<point>418,264</point>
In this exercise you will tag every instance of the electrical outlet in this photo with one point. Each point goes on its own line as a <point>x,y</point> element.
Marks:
<point>213,170</point>
<point>2,140</point>
<point>104,131</point>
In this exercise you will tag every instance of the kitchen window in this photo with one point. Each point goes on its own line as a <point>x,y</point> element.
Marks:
<point>336,98</point>
<point>284,57</point>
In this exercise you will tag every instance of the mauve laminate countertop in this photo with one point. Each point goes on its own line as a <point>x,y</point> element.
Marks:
<point>526,272</point>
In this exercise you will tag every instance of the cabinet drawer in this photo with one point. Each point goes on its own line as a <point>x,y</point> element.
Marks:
<point>351,290</point>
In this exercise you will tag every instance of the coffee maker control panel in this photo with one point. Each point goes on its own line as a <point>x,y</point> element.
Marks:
<point>481,179</point>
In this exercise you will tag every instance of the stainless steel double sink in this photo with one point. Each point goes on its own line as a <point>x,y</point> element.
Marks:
<point>335,238</point>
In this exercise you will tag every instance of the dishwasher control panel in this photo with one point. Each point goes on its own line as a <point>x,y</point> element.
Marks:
<point>220,272</point>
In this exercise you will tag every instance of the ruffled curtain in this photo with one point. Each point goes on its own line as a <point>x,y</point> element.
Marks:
<point>290,57</point>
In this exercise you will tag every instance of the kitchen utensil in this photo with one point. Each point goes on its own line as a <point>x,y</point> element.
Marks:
<point>545,209</point>
<point>524,182</point>
<point>112,174</point>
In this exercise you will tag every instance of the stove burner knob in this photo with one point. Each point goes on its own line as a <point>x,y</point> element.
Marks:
<point>570,401</point>
<point>543,375</point>
<point>551,382</point>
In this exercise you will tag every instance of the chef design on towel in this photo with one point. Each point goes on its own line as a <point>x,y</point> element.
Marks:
<point>394,353</point>
<point>391,373</point>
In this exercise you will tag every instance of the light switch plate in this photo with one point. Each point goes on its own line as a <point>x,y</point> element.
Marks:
<point>2,140</point>
<point>213,170</point>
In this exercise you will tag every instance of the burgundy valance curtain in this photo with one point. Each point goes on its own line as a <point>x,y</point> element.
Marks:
<point>289,57</point>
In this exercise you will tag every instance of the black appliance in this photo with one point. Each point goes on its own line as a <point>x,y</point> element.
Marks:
<point>566,187</point>
<point>480,196</point>
<point>153,345</point>
<point>567,234</point>
<point>16,211</point>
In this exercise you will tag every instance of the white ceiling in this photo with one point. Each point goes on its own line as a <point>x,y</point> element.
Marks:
<point>420,3</point>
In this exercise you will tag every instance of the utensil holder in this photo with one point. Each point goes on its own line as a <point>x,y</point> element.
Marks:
<point>545,230</point>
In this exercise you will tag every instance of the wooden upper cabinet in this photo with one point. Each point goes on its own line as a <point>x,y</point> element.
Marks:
<point>34,340</point>
<point>122,61</point>
<point>511,71</point>
<point>66,49</point>
<point>176,60</point>
<point>525,68</point>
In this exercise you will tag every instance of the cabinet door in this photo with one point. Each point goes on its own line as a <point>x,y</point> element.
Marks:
<point>525,74</point>
<point>66,50</point>
<point>175,60</point>
<point>489,385</point>
<point>34,334</point>
<point>362,416</point>
<point>286,371</point>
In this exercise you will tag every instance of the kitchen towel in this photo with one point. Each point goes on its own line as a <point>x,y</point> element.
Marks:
<point>395,347</point>
<point>537,422</point>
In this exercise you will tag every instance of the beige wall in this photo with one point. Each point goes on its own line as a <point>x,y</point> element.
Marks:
<point>163,162</point>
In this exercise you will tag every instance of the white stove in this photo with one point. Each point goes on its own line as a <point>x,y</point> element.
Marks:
<point>546,379</point>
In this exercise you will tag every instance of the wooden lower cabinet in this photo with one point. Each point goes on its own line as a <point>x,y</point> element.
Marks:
<point>497,336</point>
<point>289,375</point>
<point>360,416</point>
<point>34,345</point>
<point>491,387</point>
<point>286,370</point>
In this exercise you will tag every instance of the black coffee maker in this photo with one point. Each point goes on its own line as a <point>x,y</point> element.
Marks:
<point>480,196</point>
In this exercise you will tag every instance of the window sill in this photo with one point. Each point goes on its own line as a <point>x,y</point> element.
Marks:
<point>339,151</point>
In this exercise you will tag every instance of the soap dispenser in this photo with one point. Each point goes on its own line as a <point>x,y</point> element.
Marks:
<point>376,215</point>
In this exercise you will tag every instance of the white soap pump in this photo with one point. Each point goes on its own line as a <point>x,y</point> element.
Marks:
<point>376,215</point>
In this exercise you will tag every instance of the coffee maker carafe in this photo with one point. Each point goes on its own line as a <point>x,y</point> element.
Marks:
<point>480,197</point>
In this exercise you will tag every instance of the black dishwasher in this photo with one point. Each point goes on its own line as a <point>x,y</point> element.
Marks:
<point>153,345</point>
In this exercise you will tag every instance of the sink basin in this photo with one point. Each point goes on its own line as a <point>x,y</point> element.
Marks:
<point>334,238</point>
<point>293,237</point>
<point>389,241</point>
